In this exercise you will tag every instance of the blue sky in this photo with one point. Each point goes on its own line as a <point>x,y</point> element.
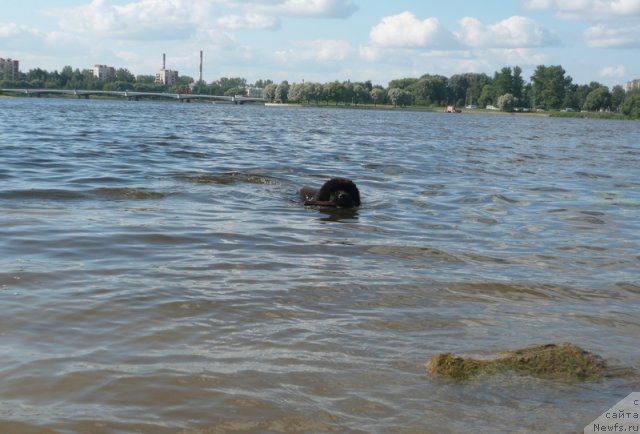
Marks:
<point>326,40</point>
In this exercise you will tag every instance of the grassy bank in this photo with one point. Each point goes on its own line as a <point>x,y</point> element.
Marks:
<point>590,115</point>
<point>586,115</point>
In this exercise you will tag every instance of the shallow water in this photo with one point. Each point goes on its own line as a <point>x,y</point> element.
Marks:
<point>159,275</point>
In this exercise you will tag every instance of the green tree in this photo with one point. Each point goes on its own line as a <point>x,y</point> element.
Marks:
<point>486,96</point>
<point>617,97</point>
<point>578,95</point>
<point>37,74</point>
<point>402,83</point>
<point>458,85</point>
<point>378,95</point>
<point>429,90</point>
<point>631,104</point>
<point>120,86</point>
<point>64,77</point>
<point>282,92</point>
<point>347,92</point>
<point>399,97</point>
<point>361,94</point>
<point>222,85</point>
<point>123,74</point>
<point>296,93</point>
<point>270,92</point>
<point>238,90</point>
<point>262,83</point>
<point>506,102</point>
<point>550,86</point>
<point>200,88</point>
<point>517,83</point>
<point>316,92</point>
<point>467,87</point>
<point>139,86</point>
<point>334,92</point>
<point>149,79</point>
<point>90,81</point>
<point>598,99</point>
<point>502,82</point>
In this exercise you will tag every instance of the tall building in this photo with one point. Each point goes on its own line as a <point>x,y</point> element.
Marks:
<point>255,92</point>
<point>633,85</point>
<point>9,69</point>
<point>104,72</point>
<point>166,76</point>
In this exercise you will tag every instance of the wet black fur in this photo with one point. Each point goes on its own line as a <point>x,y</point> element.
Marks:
<point>336,192</point>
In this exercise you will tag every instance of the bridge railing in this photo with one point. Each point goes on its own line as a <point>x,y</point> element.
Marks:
<point>133,94</point>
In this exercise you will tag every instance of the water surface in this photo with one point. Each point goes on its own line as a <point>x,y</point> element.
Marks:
<point>159,275</point>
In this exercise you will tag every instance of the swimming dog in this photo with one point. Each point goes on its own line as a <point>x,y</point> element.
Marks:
<point>336,192</point>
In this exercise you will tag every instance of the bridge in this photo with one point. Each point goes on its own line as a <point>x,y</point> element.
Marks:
<point>131,95</point>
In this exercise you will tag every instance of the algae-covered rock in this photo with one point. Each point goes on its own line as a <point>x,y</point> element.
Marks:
<point>449,365</point>
<point>562,361</point>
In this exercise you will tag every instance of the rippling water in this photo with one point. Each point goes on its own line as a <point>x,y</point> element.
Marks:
<point>159,275</point>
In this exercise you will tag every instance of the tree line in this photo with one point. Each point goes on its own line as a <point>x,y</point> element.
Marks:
<point>549,88</point>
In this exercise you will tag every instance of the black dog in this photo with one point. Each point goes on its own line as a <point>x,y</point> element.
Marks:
<point>336,192</point>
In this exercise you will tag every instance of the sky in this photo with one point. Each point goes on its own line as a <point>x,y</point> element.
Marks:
<point>327,40</point>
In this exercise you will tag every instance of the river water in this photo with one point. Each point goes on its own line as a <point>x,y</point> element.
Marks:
<point>158,273</point>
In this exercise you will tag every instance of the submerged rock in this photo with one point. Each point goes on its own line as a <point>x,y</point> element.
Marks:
<point>562,361</point>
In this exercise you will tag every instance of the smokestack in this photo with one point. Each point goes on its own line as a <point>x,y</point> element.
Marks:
<point>164,59</point>
<point>200,65</point>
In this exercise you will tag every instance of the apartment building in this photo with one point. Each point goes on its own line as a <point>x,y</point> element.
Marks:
<point>167,76</point>
<point>104,72</point>
<point>633,85</point>
<point>9,69</point>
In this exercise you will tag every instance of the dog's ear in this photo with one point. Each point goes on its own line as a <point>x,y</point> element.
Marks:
<point>354,192</point>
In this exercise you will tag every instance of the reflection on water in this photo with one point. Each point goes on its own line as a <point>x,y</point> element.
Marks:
<point>160,275</point>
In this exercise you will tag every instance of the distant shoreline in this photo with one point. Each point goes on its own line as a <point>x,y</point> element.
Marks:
<point>550,113</point>
<point>408,109</point>
<point>553,113</point>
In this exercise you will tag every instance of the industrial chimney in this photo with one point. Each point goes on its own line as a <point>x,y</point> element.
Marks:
<point>164,59</point>
<point>201,65</point>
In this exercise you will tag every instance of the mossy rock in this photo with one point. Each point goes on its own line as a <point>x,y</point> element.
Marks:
<point>561,361</point>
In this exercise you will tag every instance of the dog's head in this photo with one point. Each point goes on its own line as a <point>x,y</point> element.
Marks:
<point>343,199</point>
<point>342,192</point>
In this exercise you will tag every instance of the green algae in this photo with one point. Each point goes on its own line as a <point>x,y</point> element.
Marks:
<point>556,361</point>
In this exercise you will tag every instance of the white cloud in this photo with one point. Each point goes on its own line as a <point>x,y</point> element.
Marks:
<point>406,31</point>
<point>128,56</point>
<point>216,40</point>
<point>615,20</point>
<point>513,32</point>
<point>406,43</point>
<point>17,40</point>
<point>398,39</point>
<point>587,9</point>
<point>159,20</point>
<point>303,8</point>
<point>9,30</point>
<point>515,56</point>
<point>612,71</point>
<point>626,7</point>
<point>609,36</point>
<point>266,14</point>
<point>404,35</point>
<point>322,50</point>
<point>141,20</point>
<point>249,21</point>
<point>369,53</point>
<point>538,4</point>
